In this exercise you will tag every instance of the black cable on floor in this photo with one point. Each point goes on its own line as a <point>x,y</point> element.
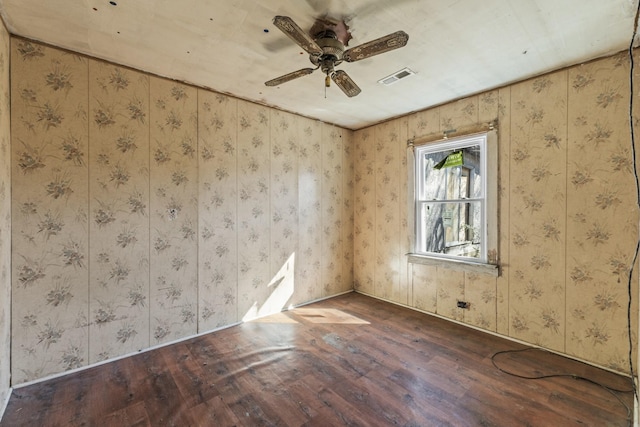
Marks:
<point>637,182</point>
<point>610,390</point>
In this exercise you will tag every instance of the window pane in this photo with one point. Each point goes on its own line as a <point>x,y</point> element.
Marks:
<point>451,182</point>
<point>450,228</point>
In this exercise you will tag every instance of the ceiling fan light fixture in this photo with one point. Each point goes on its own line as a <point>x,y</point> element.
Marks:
<point>397,76</point>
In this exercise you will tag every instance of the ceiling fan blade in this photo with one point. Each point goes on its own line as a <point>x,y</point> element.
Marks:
<point>287,77</point>
<point>376,47</point>
<point>291,29</point>
<point>344,82</point>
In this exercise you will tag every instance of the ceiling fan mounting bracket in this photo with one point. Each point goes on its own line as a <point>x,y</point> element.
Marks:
<point>325,45</point>
<point>338,28</point>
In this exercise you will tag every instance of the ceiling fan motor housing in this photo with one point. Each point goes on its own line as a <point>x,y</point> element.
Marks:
<point>332,50</point>
<point>326,50</point>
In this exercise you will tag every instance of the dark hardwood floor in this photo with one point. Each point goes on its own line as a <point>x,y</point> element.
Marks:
<point>351,360</point>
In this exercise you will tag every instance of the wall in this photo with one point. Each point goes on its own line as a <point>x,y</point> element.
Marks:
<point>5,219</point>
<point>147,210</point>
<point>568,215</point>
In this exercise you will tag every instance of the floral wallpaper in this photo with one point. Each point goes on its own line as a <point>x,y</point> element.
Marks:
<point>5,218</point>
<point>146,210</point>
<point>52,308</point>
<point>218,210</point>
<point>174,210</point>
<point>364,212</point>
<point>601,225</point>
<point>253,216</point>
<point>310,218</point>
<point>119,209</point>
<point>538,210</point>
<point>567,216</point>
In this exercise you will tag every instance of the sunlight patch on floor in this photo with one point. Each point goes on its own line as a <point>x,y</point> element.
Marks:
<point>275,318</point>
<point>328,315</point>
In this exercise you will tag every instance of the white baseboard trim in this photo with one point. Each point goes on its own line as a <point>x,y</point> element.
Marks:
<point>5,403</point>
<point>320,299</point>
<point>486,331</point>
<point>123,356</point>
<point>157,346</point>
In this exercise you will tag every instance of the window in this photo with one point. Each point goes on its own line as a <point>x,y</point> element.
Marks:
<point>455,200</point>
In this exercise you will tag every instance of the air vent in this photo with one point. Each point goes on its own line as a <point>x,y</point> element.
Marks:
<point>398,75</point>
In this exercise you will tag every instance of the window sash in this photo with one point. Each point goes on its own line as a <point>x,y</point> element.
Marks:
<point>452,229</point>
<point>456,180</point>
<point>420,201</point>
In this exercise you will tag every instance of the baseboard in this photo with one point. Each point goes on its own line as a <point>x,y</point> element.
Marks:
<point>320,299</point>
<point>155,347</point>
<point>3,408</point>
<point>123,356</point>
<point>496,334</point>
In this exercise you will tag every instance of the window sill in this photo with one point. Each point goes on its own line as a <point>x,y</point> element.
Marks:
<point>455,264</point>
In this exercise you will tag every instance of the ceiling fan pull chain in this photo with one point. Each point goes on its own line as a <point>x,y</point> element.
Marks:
<point>327,83</point>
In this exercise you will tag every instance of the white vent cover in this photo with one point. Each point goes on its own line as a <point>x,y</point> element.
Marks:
<point>398,75</point>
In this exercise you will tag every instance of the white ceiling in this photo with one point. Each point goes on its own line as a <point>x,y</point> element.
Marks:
<point>456,48</point>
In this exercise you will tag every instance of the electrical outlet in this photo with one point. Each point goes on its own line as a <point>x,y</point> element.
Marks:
<point>463,304</point>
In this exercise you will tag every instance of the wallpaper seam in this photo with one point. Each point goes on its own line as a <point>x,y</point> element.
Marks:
<point>322,237</point>
<point>10,327</point>
<point>566,210</point>
<point>509,332</point>
<point>407,270</point>
<point>509,221</point>
<point>507,229</point>
<point>372,152</point>
<point>149,239</point>
<point>497,172</point>
<point>271,186</point>
<point>399,213</point>
<point>197,225</point>
<point>237,211</point>
<point>88,205</point>
<point>11,231</point>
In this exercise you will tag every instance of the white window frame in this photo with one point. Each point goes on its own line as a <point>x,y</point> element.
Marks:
<point>488,259</point>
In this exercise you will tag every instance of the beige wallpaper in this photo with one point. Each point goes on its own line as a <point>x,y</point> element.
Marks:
<point>601,219</point>
<point>5,218</point>
<point>173,209</point>
<point>146,210</point>
<point>50,231</point>
<point>119,209</point>
<point>568,221</point>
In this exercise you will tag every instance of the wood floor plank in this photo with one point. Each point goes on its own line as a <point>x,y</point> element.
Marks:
<point>334,409</point>
<point>215,412</point>
<point>188,375</point>
<point>285,411</point>
<point>133,415</point>
<point>350,360</point>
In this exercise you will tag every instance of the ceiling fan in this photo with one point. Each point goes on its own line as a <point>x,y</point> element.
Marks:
<point>326,49</point>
